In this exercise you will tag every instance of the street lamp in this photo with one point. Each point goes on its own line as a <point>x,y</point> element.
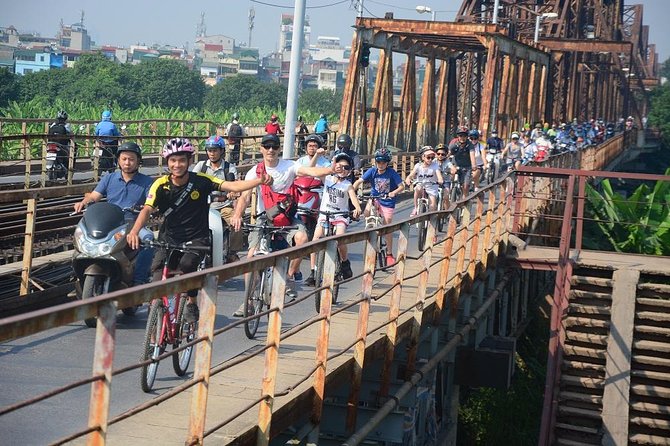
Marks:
<point>538,19</point>
<point>426,9</point>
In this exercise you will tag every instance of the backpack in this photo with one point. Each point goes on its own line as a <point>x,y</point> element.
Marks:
<point>280,208</point>
<point>226,168</point>
<point>235,131</point>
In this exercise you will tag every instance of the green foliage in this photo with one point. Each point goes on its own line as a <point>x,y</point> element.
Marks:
<point>8,87</point>
<point>659,114</point>
<point>665,69</point>
<point>638,224</point>
<point>244,91</point>
<point>327,102</point>
<point>167,83</point>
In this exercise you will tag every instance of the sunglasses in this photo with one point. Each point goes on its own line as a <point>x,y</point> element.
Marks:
<point>441,154</point>
<point>430,157</point>
<point>473,138</point>
<point>271,147</point>
<point>345,166</point>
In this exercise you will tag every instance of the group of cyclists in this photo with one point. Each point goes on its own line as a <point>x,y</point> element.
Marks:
<point>184,195</point>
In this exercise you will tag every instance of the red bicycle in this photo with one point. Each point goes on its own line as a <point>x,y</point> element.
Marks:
<point>166,324</point>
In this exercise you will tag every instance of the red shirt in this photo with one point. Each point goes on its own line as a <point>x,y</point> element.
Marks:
<point>273,128</point>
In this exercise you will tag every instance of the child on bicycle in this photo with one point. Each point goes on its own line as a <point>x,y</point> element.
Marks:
<point>337,193</point>
<point>428,178</point>
<point>386,184</point>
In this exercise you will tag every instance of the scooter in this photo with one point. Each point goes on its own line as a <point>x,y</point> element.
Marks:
<point>102,260</point>
<point>309,201</point>
<point>56,160</point>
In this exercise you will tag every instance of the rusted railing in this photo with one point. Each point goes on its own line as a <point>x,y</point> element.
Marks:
<point>449,265</point>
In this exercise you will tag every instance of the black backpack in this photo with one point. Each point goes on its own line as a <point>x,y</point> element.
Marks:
<point>226,168</point>
<point>235,131</point>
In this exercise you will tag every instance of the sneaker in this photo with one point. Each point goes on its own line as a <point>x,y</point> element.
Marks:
<point>345,269</point>
<point>291,294</point>
<point>191,313</point>
<point>310,281</point>
<point>240,311</point>
<point>390,260</point>
<point>412,214</point>
<point>297,277</point>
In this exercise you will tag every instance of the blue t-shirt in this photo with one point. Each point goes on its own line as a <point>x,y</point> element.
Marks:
<point>321,126</point>
<point>125,194</point>
<point>383,183</point>
<point>106,128</point>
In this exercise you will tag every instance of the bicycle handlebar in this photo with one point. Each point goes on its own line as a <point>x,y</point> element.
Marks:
<point>183,247</point>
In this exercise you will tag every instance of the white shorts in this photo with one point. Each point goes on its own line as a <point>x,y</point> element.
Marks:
<point>430,188</point>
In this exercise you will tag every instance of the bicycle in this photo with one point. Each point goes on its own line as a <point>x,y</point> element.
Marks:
<point>258,286</point>
<point>374,220</point>
<point>457,192</point>
<point>166,324</point>
<point>440,206</point>
<point>422,206</point>
<point>321,259</point>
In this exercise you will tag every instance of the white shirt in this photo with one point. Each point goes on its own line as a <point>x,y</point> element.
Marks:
<point>335,195</point>
<point>426,175</point>
<point>282,175</point>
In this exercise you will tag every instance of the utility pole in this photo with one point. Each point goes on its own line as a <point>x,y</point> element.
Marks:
<point>252,16</point>
<point>294,77</point>
<point>359,6</point>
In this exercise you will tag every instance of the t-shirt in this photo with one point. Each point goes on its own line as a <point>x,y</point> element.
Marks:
<point>125,194</point>
<point>272,128</point>
<point>282,175</point>
<point>189,220</point>
<point>383,183</point>
<point>335,195</point>
<point>218,173</point>
<point>426,175</point>
<point>107,128</point>
<point>461,154</point>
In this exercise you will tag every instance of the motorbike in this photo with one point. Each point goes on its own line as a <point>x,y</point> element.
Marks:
<point>309,201</point>
<point>493,163</point>
<point>102,260</point>
<point>57,160</point>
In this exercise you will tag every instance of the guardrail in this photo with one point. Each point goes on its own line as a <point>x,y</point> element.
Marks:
<point>460,257</point>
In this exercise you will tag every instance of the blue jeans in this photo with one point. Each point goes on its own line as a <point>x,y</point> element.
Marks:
<point>143,261</point>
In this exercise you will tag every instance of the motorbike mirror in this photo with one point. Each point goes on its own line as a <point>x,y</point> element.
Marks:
<point>230,176</point>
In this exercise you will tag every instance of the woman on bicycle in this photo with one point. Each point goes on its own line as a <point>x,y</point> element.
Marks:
<point>513,152</point>
<point>386,184</point>
<point>428,178</point>
<point>337,193</point>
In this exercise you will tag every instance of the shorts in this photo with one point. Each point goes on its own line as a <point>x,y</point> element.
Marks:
<point>184,262</point>
<point>430,188</point>
<point>385,212</point>
<point>336,220</point>
<point>254,238</point>
<point>465,175</point>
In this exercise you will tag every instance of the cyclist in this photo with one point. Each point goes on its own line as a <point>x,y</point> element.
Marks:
<point>428,177</point>
<point>387,184</point>
<point>343,145</point>
<point>480,156</point>
<point>514,152</point>
<point>338,193</point>
<point>273,127</point>
<point>529,148</point>
<point>463,153</point>
<point>216,166</point>
<point>495,144</point>
<point>181,196</point>
<point>127,188</point>
<point>277,201</point>
<point>107,132</point>
<point>234,133</point>
<point>445,167</point>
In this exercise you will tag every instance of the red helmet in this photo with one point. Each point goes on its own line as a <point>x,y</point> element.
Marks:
<point>273,117</point>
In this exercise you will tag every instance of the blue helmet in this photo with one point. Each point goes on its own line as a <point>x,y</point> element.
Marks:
<point>106,115</point>
<point>383,155</point>
<point>215,142</point>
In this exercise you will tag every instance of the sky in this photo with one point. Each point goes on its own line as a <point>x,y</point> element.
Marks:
<point>173,22</point>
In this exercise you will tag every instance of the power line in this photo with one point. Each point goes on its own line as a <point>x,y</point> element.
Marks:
<point>291,7</point>
<point>404,8</point>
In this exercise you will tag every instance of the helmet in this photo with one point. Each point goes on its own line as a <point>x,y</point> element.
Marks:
<point>215,142</point>
<point>106,115</point>
<point>344,140</point>
<point>462,130</point>
<point>515,135</point>
<point>425,149</point>
<point>176,146</point>
<point>494,131</point>
<point>473,134</point>
<point>440,146</point>
<point>273,117</point>
<point>383,154</point>
<point>270,140</point>
<point>129,147</point>
<point>236,116</point>
<point>343,156</point>
<point>314,137</point>
<point>62,115</point>
<point>322,116</point>
<point>300,119</point>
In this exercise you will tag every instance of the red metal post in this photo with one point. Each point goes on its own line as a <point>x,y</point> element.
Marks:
<point>581,199</point>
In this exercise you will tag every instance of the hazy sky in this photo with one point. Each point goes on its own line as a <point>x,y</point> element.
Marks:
<point>126,22</point>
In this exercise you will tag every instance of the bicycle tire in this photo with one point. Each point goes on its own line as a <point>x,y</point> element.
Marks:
<point>92,287</point>
<point>186,332</point>
<point>320,260</point>
<point>423,227</point>
<point>381,255</point>
<point>440,207</point>
<point>455,196</point>
<point>152,349</point>
<point>337,278</point>
<point>490,175</point>
<point>253,303</point>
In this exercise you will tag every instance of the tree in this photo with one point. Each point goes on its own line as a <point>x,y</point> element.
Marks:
<point>9,87</point>
<point>328,102</point>
<point>168,83</point>
<point>659,114</point>
<point>244,91</point>
<point>665,69</point>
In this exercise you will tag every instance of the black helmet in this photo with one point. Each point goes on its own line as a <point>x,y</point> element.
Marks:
<point>316,138</point>
<point>270,140</point>
<point>62,115</point>
<point>344,140</point>
<point>129,147</point>
<point>300,119</point>
<point>343,156</point>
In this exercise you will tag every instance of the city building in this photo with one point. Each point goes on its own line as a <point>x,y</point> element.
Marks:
<point>31,60</point>
<point>74,36</point>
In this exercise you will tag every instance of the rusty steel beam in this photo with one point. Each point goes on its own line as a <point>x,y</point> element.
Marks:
<point>586,46</point>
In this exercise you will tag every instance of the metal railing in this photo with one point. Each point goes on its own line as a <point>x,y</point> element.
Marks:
<point>456,260</point>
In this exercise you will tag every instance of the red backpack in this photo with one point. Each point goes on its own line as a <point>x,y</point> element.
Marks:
<point>281,208</point>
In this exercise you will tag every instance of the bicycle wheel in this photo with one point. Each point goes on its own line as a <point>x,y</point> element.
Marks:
<point>253,303</point>
<point>381,254</point>
<point>440,207</point>
<point>455,196</point>
<point>337,278</point>
<point>320,260</point>
<point>186,332</point>
<point>423,226</point>
<point>153,344</point>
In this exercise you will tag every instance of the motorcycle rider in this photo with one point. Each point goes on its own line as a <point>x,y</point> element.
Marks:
<point>216,166</point>
<point>235,132</point>
<point>343,145</point>
<point>182,197</point>
<point>321,127</point>
<point>463,153</point>
<point>126,188</point>
<point>273,127</point>
<point>60,132</point>
<point>107,132</point>
<point>301,132</point>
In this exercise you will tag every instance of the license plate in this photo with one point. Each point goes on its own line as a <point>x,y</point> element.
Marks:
<point>51,156</point>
